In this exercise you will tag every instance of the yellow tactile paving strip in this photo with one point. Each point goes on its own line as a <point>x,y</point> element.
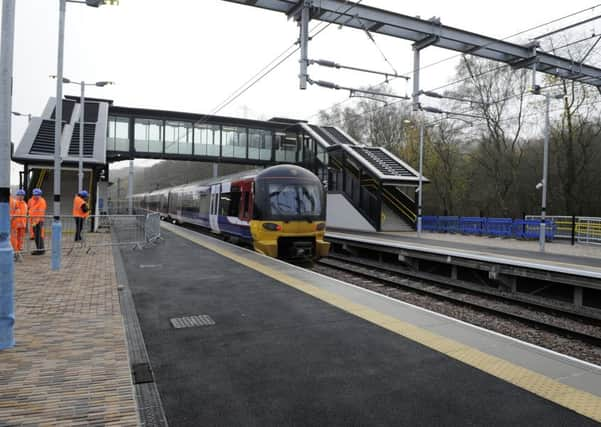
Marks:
<point>70,365</point>
<point>579,401</point>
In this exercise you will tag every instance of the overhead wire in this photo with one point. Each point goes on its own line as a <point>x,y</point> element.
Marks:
<point>269,67</point>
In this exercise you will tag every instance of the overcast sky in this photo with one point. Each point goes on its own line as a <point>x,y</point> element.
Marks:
<point>188,55</point>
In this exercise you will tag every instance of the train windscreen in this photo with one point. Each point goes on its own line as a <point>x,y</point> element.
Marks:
<point>292,200</point>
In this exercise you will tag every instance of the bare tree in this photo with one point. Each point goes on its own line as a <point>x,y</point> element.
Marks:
<point>500,95</point>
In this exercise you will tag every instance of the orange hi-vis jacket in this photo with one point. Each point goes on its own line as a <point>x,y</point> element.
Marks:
<point>18,213</point>
<point>37,210</point>
<point>78,203</point>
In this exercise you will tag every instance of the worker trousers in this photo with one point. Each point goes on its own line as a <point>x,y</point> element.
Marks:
<point>17,235</point>
<point>78,227</point>
<point>38,235</point>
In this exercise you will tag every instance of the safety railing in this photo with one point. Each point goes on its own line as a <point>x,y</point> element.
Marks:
<point>35,237</point>
<point>582,229</point>
<point>492,227</point>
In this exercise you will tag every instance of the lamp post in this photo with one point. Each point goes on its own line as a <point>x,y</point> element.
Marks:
<point>56,224</point>
<point>420,185</point>
<point>7,272</point>
<point>544,182</point>
<point>82,102</point>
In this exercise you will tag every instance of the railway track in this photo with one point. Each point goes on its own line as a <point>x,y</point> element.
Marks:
<point>383,278</point>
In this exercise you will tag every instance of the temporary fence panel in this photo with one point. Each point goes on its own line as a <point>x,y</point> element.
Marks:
<point>582,229</point>
<point>135,230</point>
<point>498,227</point>
<point>430,223</point>
<point>493,227</point>
<point>588,230</point>
<point>472,225</point>
<point>449,224</point>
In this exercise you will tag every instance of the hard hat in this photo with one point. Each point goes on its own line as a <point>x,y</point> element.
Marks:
<point>37,192</point>
<point>83,193</point>
<point>20,192</point>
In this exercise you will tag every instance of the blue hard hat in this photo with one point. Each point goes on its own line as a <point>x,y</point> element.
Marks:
<point>20,192</point>
<point>37,192</point>
<point>83,193</point>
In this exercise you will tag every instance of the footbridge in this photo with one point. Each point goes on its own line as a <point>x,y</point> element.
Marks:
<point>369,188</point>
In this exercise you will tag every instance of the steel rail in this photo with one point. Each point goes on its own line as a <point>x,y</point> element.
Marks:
<point>360,268</point>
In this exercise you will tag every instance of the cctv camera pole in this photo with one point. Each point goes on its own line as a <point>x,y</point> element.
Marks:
<point>56,225</point>
<point>421,176</point>
<point>7,272</point>
<point>545,173</point>
<point>82,104</point>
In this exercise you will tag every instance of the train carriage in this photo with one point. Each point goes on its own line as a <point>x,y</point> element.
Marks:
<point>280,210</point>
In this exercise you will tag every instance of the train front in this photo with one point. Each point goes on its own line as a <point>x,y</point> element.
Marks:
<point>289,214</point>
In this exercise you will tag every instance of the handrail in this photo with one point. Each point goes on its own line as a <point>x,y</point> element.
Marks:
<point>408,213</point>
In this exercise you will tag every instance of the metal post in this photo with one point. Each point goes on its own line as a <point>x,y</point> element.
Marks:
<point>545,173</point>
<point>416,105</point>
<point>573,230</point>
<point>421,174</point>
<point>304,45</point>
<point>130,187</point>
<point>81,128</point>
<point>7,266</point>
<point>56,225</point>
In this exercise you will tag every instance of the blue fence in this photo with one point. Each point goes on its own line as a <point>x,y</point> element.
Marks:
<point>493,227</point>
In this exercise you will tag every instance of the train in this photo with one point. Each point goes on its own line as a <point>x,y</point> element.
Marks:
<point>279,211</point>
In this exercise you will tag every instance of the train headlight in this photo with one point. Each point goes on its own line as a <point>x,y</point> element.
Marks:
<point>271,226</point>
<point>321,226</point>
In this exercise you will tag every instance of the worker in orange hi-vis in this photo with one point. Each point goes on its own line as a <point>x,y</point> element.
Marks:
<point>18,221</point>
<point>37,212</point>
<point>81,211</point>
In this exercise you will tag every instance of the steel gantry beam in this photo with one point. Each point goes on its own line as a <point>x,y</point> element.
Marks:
<point>418,30</point>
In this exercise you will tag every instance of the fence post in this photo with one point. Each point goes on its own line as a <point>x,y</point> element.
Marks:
<point>573,229</point>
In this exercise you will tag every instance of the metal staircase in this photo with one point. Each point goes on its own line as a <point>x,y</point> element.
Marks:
<point>89,133</point>
<point>44,142</point>
<point>383,161</point>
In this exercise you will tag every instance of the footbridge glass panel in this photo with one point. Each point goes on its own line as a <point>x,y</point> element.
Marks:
<point>118,134</point>
<point>234,142</point>
<point>207,140</point>
<point>260,144</point>
<point>148,136</point>
<point>178,137</point>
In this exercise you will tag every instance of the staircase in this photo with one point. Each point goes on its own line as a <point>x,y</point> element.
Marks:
<point>89,133</point>
<point>44,142</point>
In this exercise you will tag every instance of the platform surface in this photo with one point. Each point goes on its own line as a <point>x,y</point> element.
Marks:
<point>291,347</point>
<point>583,260</point>
<point>70,364</point>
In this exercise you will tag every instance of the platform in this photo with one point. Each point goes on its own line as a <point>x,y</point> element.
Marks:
<point>559,257</point>
<point>292,347</point>
<point>70,363</point>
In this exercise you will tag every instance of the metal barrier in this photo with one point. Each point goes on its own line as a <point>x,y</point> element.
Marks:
<point>493,227</point>
<point>472,225</point>
<point>137,231</point>
<point>582,229</point>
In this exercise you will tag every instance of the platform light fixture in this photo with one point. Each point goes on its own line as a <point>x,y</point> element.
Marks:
<point>56,223</point>
<point>82,102</point>
<point>544,183</point>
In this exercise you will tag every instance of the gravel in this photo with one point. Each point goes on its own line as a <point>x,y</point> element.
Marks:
<point>514,328</point>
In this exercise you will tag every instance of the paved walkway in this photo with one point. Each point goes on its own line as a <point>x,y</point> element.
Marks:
<point>70,365</point>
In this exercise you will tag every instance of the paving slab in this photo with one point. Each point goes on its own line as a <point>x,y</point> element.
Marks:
<point>70,363</point>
